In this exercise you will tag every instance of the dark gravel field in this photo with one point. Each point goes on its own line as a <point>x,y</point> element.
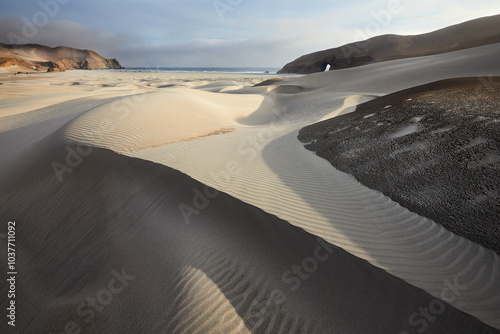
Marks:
<point>435,149</point>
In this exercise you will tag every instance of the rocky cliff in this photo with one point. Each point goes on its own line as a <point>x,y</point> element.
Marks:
<point>35,57</point>
<point>469,34</point>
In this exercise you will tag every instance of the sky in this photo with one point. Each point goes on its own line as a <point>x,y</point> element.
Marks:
<point>222,33</point>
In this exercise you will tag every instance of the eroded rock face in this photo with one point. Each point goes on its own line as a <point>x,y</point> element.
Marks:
<point>469,34</point>
<point>45,58</point>
<point>113,63</point>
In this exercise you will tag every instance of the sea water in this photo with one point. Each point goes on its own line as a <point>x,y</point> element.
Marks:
<point>244,70</point>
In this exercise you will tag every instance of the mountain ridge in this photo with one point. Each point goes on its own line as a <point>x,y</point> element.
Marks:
<point>37,57</point>
<point>478,32</point>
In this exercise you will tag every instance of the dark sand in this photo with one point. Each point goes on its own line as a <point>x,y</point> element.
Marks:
<point>435,149</point>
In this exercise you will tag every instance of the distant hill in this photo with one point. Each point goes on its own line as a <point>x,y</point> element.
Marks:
<point>469,34</point>
<point>35,57</point>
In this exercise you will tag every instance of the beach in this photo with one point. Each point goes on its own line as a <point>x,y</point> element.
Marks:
<point>194,192</point>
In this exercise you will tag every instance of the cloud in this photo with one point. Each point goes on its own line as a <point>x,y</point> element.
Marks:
<point>251,33</point>
<point>273,50</point>
<point>66,33</point>
<point>213,53</point>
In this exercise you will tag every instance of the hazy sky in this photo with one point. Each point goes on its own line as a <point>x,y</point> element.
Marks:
<point>222,33</point>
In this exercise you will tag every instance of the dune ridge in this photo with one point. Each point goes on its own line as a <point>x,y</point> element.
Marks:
<point>221,273</point>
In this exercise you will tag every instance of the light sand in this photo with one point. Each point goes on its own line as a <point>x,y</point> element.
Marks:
<point>243,141</point>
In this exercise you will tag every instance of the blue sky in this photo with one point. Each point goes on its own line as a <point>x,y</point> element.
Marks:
<point>203,33</point>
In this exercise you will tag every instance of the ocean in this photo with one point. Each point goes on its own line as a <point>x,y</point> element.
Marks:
<point>243,70</point>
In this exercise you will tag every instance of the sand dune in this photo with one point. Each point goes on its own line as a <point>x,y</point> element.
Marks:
<point>229,271</point>
<point>278,176</point>
<point>138,122</point>
<point>206,263</point>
